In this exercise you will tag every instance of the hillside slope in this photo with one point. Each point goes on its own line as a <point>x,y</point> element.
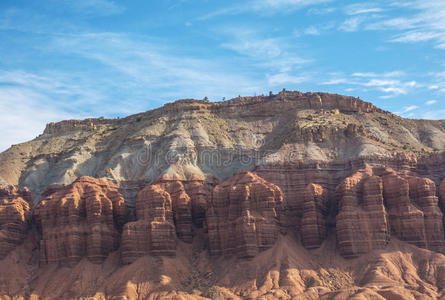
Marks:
<point>291,196</point>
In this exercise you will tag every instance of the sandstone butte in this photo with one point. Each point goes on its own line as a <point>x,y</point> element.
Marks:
<point>290,196</point>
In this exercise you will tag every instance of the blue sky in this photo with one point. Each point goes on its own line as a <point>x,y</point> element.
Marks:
<point>63,59</point>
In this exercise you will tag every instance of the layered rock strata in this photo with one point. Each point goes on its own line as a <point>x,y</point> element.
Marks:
<point>243,216</point>
<point>376,203</point>
<point>182,209</point>
<point>15,209</point>
<point>422,192</point>
<point>80,220</point>
<point>313,224</point>
<point>362,223</point>
<point>154,230</point>
<point>442,199</point>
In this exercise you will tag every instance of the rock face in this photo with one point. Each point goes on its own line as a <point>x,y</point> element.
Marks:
<point>313,224</point>
<point>318,163</point>
<point>82,219</point>
<point>422,192</point>
<point>15,209</point>
<point>442,199</point>
<point>153,232</point>
<point>243,216</point>
<point>375,203</point>
<point>362,223</point>
<point>182,208</point>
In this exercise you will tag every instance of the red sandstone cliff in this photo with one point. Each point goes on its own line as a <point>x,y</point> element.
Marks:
<point>15,212</point>
<point>80,220</point>
<point>342,200</point>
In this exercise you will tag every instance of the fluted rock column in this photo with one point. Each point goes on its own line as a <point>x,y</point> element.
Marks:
<point>407,221</point>
<point>315,210</point>
<point>243,216</point>
<point>15,208</point>
<point>423,193</point>
<point>81,219</point>
<point>362,220</point>
<point>153,232</point>
<point>182,209</point>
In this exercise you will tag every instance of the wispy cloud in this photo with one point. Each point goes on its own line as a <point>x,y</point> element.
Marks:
<point>431,102</point>
<point>426,22</point>
<point>274,53</point>
<point>362,8</point>
<point>389,83</point>
<point>283,79</point>
<point>19,104</point>
<point>265,7</point>
<point>166,72</point>
<point>94,7</point>
<point>312,30</point>
<point>352,24</point>
<point>407,111</point>
<point>434,114</point>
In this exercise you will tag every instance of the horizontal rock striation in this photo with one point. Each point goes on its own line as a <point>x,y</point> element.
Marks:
<point>362,223</point>
<point>315,211</point>
<point>15,213</point>
<point>182,209</point>
<point>376,203</point>
<point>422,192</point>
<point>80,220</point>
<point>243,216</point>
<point>154,231</point>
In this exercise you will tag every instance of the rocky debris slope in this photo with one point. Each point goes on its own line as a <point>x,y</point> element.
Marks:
<point>15,213</point>
<point>243,217</point>
<point>80,220</point>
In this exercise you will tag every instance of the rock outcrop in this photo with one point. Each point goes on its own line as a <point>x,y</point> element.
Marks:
<point>182,208</point>
<point>82,219</point>
<point>154,231</point>
<point>376,203</point>
<point>318,163</point>
<point>313,224</point>
<point>422,192</point>
<point>362,223</point>
<point>15,209</point>
<point>442,199</point>
<point>407,220</point>
<point>243,216</point>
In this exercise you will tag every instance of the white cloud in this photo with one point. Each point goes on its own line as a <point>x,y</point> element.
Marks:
<point>351,24</point>
<point>434,114</point>
<point>274,53</point>
<point>94,7</point>
<point>263,7</point>
<point>321,10</point>
<point>24,114</point>
<point>335,81</point>
<point>407,111</point>
<point>389,83</point>
<point>279,4</point>
<point>372,74</point>
<point>431,102</point>
<point>283,79</point>
<point>416,36</point>
<point>362,8</point>
<point>425,22</point>
<point>312,30</point>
